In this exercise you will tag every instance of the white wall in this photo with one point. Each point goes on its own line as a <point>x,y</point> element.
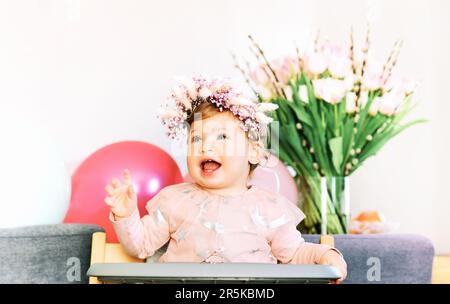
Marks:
<point>94,71</point>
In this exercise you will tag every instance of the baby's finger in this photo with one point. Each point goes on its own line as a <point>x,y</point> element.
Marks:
<point>130,190</point>
<point>131,194</point>
<point>116,183</point>
<point>109,201</point>
<point>109,189</point>
<point>127,177</point>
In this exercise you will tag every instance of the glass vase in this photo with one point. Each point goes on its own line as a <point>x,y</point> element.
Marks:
<point>325,200</point>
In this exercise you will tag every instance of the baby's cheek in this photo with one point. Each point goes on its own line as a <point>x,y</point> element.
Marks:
<point>236,164</point>
<point>235,149</point>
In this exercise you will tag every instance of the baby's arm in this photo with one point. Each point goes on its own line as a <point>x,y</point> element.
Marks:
<point>141,237</point>
<point>287,243</point>
<point>288,246</point>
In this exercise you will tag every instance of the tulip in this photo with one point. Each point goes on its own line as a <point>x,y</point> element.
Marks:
<point>363,98</point>
<point>330,90</point>
<point>340,67</point>
<point>350,102</point>
<point>288,91</point>
<point>372,79</point>
<point>259,76</point>
<point>375,106</point>
<point>403,85</point>
<point>390,102</point>
<point>303,93</point>
<point>264,92</point>
<point>315,63</point>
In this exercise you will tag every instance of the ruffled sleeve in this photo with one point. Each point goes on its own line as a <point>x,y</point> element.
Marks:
<point>286,242</point>
<point>141,237</point>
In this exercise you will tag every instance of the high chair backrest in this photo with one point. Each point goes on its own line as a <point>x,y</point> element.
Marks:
<point>103,252</point>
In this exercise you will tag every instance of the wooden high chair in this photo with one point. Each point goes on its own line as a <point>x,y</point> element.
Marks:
<point>103,252</point>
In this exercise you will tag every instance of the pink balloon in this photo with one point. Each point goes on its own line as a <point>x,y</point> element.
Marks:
<point>274,177</point>
<point>151,169</point>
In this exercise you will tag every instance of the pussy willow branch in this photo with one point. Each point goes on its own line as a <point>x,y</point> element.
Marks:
<point>247,80</point>
<point>352,51</point>
<point>299,59</point>
<point>365,52</point>
<point>267,63</point>
<point>391,62</point>
<point>263,67</point>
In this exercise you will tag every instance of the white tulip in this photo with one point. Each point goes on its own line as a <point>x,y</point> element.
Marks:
<point>375,106</point>
<point>390,102</point>
<point>349,81</point>
<point>363,98</point>
<point>339,67</point>
<point>303,93</point>
<point>288,92</point>
<point>264,92</point>
<point>330,90</point>
<point>350,102</point>
<point>315,63</point>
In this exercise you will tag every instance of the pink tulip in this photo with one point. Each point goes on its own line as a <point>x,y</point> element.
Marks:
<point>340,67</point>
<point>285,68</point>
<point>259,76</point>
<point>372,79</point>
<point>315,63</point>
<point>404,85</point>
<point>390,102</point>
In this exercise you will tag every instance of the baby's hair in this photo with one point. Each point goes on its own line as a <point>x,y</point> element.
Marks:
<point>208,110</point>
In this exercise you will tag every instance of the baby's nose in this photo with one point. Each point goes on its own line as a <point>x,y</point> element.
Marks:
<point>208,146</point>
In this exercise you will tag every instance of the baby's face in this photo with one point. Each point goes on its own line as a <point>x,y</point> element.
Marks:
<point>219,152</point>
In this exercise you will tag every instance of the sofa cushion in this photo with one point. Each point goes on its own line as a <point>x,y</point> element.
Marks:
<point>46,253</point>
<point>385,258</point>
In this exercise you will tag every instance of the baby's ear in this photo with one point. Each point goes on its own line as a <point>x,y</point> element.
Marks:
<point>255,152</point>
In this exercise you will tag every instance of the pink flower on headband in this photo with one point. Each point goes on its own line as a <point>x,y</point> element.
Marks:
<point>189,93</point>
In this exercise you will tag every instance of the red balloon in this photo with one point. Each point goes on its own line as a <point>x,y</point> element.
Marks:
<point>151,170</point>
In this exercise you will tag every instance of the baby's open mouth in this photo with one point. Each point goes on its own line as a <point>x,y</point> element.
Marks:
<point>208,166</point>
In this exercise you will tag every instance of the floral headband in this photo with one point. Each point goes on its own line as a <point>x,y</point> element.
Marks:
<point>191,92</point>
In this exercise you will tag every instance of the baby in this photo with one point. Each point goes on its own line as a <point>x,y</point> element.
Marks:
<point>219,218</point>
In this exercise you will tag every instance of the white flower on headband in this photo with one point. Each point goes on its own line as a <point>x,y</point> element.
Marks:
<point>191,92</point>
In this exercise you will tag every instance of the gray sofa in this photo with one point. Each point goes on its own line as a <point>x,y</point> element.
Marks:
<point>46,254</point>
<point>385,258</point>
<point>61,254</point>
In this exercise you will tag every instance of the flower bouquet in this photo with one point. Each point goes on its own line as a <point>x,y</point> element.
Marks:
<point>337,106</point>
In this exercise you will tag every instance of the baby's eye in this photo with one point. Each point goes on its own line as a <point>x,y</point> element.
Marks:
<point>196,138</point>
<point>222,136</point>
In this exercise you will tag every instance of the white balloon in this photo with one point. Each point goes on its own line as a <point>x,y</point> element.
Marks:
<point>35,185</point>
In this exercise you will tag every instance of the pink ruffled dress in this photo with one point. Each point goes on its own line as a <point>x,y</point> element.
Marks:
<point>254,227</point>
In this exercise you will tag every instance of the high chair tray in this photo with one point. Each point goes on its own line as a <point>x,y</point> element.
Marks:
<point>212,273</point>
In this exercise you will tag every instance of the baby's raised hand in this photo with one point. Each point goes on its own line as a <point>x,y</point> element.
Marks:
<point>333,258</point>
<point>121,197</point>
